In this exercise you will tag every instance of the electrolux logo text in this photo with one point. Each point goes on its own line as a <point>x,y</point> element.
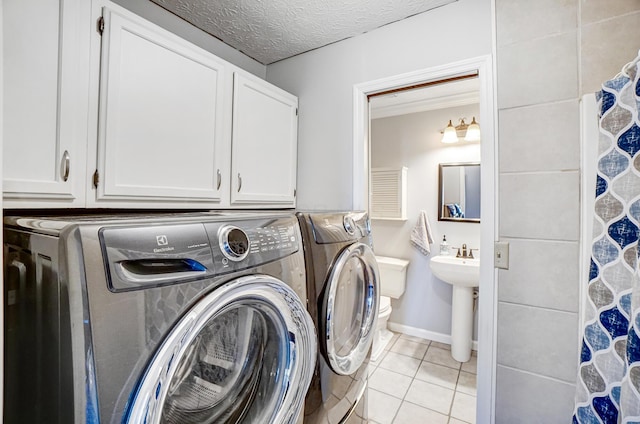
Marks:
<point>162,240</point>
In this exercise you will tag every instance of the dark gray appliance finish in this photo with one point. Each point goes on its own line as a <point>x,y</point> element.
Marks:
<point>172,318</point>
<point>343,290</point>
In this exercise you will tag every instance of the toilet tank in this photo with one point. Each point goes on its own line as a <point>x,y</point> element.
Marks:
<point>393,276</point>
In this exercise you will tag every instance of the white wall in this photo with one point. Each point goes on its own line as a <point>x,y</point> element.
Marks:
<point>167,20</point>
<point>544,67</point>
<point>323,80</point>
<point>1,215</point>
<point>414,141</point>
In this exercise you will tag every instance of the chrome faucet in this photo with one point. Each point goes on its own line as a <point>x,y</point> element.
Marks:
<point>464,253</point>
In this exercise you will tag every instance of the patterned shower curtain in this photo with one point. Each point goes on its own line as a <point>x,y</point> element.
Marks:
<point>608,383</point>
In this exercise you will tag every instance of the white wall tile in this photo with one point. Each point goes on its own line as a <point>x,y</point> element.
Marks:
<point>598,10</point>
<point>538,71</point>
<point>537,80</point>
<point>606,47</point>
<point>536,340</point>
<point>525,398</point>
<point>540,138</point>
<point>519,20</point>
<point>541,273</point>
<point>540,206</point>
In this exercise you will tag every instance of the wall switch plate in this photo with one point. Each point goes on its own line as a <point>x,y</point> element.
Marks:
<point>501,254</point>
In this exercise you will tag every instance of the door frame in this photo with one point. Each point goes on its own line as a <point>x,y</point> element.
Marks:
<point>1,214</point>
<point>589,138</point>
<point>487,314</point>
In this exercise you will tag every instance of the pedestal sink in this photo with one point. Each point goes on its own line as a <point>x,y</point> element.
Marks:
<point>464,275</point>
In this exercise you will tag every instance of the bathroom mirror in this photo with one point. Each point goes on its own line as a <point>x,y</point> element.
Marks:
<point>459,192</point>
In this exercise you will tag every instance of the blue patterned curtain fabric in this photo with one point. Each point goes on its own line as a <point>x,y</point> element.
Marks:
<point>608,383</point>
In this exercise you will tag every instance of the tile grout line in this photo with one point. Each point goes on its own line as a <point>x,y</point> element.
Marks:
<point>455,390</point>
<point>422,361</point>
<point>410,384</point>
<point>414,378</point>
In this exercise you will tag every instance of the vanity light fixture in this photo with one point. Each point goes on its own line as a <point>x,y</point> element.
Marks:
<point>449,134</point>
<point>469,132</point>
<point>473,131</point>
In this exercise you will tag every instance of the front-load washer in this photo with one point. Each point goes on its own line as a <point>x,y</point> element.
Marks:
<point>342,285</point>
<point>183,318</point>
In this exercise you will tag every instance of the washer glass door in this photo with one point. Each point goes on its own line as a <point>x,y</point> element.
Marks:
<point>350,308</point>
<point>245,353</point>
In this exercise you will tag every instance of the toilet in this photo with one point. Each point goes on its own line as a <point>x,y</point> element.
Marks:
<point>393,278</point>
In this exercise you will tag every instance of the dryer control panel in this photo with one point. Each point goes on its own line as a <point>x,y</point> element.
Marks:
<point>153,255</point>
<point>340,227</point>
<point>240,246</point>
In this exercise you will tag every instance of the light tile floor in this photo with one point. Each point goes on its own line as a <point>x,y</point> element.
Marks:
<point>416,381</point>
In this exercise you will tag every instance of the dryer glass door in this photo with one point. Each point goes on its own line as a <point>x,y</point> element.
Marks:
<point>245,353</point>
<point>350,308</point>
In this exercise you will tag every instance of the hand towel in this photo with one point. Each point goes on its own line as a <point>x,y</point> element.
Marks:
<point>421,234</point>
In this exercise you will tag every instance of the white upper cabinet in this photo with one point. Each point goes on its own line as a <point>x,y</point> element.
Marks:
<point>45,102</point>
<point>264,144</point>
<point>104,109</point>
<point>161,118</point>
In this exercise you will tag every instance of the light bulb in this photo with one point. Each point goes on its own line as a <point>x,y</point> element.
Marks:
<point>473,131</point>
<point>449,135</point>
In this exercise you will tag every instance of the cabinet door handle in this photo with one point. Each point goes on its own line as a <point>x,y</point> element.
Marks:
<point>218,179</point>
<point>239,182</point>
<point>65,166</point>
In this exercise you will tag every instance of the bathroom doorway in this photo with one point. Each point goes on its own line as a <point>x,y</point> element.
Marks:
<point>481,68</point>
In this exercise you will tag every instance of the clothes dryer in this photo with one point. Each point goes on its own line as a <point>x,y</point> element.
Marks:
<point>342,285</point>
<point>184,318</point>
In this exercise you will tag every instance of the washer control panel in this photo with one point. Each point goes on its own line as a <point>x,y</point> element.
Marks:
<point>349,224</point>
<point>246,244</point>
<point>234,242</point>
<point>155,255</point>
<point>274,238</point>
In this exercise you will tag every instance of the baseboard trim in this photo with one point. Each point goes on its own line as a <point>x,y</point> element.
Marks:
<point>425,334</point>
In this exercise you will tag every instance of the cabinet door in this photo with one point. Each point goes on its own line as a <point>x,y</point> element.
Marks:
<point>45,80</point>
<point>161,127</point>
<point>264,143</point>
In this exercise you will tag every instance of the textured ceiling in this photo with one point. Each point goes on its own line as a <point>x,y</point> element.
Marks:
<point>272,30</point>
